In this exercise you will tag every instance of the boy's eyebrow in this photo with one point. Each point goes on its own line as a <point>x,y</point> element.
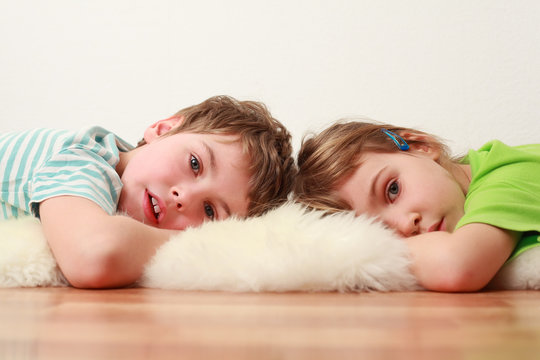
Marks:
<point>213,166</point>
<point>225,207</point>
<point>374,181</point>
<point>211,155</point>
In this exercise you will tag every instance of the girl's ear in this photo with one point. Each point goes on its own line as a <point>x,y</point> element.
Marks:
<point>161,127</point>
<point>422,144</point>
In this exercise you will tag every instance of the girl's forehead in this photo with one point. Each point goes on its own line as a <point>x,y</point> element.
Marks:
<point>375,159</point>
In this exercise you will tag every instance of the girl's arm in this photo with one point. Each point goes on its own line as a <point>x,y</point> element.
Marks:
<point>465,260</point>
<point>94,249</point>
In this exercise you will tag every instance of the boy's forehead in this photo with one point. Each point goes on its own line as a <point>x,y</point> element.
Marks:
<point>214,136</point>
<point>218,146</point>
<point>223,146</point>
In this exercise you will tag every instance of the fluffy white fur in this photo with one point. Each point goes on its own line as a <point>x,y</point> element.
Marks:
<point>288,249</point>
<point>25,258</point>
<point>521,273</point>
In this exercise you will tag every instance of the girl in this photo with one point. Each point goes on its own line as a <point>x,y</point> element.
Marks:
<point>462,218</point>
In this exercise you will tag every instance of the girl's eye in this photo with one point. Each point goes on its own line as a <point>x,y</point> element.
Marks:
<point>392,191</point>
<point>209,211</point>
<point>194,163</point>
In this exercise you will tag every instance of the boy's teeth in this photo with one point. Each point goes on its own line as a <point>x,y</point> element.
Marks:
<point>157,209</point>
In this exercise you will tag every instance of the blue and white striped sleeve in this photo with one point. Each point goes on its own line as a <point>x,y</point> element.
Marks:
<point>77,171</point>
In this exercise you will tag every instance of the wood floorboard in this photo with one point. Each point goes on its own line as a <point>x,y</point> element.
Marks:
<point>67,323</point>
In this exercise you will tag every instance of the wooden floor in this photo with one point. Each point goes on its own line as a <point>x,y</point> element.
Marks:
<point>66,323</point>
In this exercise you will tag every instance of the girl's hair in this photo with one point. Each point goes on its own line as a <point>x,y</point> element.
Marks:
<point>329,158</point>
<point>264,139</point>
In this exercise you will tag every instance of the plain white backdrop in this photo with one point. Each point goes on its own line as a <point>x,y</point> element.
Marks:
<point>466,70</point>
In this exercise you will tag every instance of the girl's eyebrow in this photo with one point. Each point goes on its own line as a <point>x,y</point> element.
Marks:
<point>374,181</point>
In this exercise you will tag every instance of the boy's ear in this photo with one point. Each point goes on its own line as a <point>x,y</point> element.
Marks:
<point>422,144</point>
<point>161,127</point>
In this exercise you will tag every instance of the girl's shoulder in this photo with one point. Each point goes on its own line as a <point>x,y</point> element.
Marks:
<point>498,152</point>
<point>498,145</point>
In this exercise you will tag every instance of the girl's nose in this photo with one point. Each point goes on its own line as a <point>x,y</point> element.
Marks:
<point>406,225</point>
<point>411,224</point>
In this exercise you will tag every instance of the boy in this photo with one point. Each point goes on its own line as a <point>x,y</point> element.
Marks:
<point>219,158</point>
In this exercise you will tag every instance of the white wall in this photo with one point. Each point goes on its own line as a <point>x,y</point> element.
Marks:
<point>467,70</point>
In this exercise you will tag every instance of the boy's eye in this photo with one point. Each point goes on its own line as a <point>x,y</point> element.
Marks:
<point>392,191</point>
<point>194,163</point>
<point>209,211</point>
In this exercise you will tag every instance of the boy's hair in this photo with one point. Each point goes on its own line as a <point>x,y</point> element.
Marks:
<point>328,159</point>
<point>264,139</point>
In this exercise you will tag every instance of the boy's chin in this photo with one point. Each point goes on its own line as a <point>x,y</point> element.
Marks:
<point>125,212</point>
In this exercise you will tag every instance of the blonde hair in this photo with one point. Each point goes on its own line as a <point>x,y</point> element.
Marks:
<point>330,158</point>
<point>264,139</point>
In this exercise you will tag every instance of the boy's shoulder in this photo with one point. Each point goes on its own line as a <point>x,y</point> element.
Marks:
<point>102,136</point>
<point>84,135</point>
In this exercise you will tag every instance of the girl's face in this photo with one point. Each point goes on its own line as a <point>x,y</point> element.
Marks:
<point>409,191</point>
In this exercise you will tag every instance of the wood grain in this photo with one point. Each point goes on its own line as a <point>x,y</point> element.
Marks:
<point>67,323</point>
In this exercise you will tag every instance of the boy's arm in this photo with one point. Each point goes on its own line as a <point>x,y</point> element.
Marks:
<point>94,249</point>
<point>465,260</point>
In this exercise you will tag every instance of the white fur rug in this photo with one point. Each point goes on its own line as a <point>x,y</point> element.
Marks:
<point>288,249</point>
<point>25,257</point>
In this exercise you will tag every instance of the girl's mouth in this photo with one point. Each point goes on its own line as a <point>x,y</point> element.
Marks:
<point>440,226</point>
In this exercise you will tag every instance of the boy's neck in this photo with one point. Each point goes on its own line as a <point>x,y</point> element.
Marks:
<point>124,159</point>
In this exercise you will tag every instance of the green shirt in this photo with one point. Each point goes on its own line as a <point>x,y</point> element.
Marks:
<point>505,190</point>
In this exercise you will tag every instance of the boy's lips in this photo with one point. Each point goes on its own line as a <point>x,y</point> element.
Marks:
<point>153,208</point>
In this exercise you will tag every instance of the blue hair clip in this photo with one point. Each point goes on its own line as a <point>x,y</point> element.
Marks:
<point>398,140</point>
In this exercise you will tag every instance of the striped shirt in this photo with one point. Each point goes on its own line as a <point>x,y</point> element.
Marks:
<point>39,164</point>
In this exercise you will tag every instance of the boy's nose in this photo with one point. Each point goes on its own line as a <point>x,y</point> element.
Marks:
<point>183,197</point>
<point>176,198</point>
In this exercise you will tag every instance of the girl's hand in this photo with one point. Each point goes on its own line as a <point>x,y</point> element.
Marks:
<point>465,260</point>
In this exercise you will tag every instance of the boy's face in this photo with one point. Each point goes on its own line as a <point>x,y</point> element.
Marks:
<point>182,180</point>
<point>410,192</point>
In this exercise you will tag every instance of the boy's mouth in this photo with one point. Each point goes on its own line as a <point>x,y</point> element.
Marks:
<point>152,209</point>
<point>157,209</point>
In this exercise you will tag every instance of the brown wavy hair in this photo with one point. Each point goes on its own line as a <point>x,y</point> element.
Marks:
<point>264,139</point>
<point>328,159</point>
